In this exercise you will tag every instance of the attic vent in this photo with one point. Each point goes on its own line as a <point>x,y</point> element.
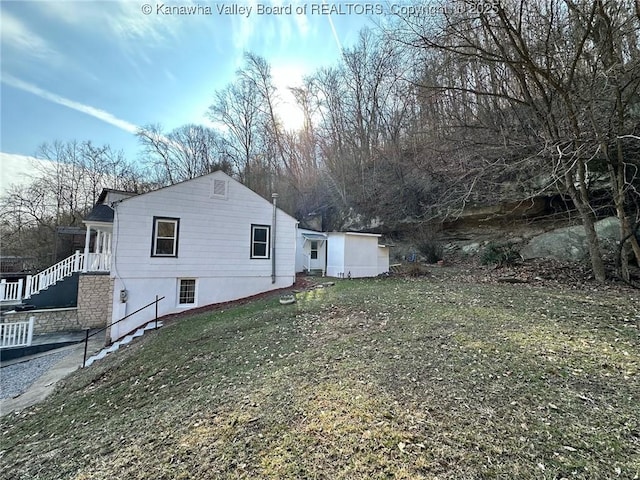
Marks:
<point>219,189</point>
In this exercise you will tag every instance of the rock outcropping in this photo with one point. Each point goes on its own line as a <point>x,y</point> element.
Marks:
<point>569,243</point>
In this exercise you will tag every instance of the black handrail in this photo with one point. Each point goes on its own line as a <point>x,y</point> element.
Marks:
<point>86,338</point>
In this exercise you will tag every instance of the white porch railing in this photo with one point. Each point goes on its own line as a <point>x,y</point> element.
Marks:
<point>11,291</point>
<point>56,272</point>
<point>16,334</point>
<point>98,262</point>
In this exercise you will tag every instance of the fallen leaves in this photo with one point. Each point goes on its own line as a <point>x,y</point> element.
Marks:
<point>385,378</point>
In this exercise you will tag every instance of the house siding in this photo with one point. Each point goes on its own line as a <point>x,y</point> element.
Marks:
<point>361,256</point>
<point>214,248</point>
<point>383,259</point>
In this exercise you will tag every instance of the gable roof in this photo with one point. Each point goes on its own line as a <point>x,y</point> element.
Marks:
<point>110,195</point>
<point>216,174</point>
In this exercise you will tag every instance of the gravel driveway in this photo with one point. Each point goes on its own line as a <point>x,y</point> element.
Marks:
<point>15,379</point>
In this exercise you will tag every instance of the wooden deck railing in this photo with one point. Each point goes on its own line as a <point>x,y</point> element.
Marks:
<point>16,334</point>
<point>56,272</point>
<point>17,291</point>
<point>11,291</point>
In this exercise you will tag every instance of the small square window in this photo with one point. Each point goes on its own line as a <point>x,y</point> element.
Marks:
<point>187,291</point>
<point>260,241</point>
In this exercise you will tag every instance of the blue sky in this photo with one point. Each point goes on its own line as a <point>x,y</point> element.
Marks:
<point>97,70</point>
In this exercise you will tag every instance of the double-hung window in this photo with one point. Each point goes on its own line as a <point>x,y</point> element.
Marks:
<point>260,237</point>
<point>314,249</point>
<point>165,237</point>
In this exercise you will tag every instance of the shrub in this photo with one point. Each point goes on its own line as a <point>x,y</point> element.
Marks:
<point>416,270</point>
<point>429,247</point>
<point>499,254</point>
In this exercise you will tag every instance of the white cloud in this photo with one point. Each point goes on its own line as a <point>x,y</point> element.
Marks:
<point>121,19</point>
<point>18,169</point>
<point>244,28</point>
<point>80,107</point>
<point>122,22</point>
<point>17,35</point>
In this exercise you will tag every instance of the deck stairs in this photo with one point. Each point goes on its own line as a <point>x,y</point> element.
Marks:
<point>115,346</point>
<point>52,275</point>
<point>17,292</point>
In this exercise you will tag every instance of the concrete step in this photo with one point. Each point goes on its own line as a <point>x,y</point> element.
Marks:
<point>124,341</point>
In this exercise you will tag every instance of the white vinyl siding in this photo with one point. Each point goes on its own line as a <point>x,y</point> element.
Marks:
<point>214,247</point>
<point>353,255</point>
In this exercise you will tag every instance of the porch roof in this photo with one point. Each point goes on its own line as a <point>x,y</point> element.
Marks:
<point>314,236</point>
<point>100,213</point>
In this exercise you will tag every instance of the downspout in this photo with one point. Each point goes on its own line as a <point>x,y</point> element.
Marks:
<point>273,238</point>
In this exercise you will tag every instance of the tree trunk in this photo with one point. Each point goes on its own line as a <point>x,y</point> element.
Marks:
<point>581,201</point>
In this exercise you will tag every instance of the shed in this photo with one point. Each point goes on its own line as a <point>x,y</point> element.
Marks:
<point>356,255</point>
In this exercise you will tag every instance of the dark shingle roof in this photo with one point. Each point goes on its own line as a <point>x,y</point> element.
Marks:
<point>118,193</point>
<point>100,213</point>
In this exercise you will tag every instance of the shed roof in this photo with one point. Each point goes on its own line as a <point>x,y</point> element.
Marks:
<point>314,236</point>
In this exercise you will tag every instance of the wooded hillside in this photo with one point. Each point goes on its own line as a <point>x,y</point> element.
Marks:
<point>426,117</point>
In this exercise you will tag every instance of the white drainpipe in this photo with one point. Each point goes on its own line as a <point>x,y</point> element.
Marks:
<point>273,239</point>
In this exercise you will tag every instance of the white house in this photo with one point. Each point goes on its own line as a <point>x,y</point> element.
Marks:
<point>341,254</point>
<point>202,241</point>
<point>311,251</point>
<point>355,255</point>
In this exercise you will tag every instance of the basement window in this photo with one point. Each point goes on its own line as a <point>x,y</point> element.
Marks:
<point>260,241</point>
<point>187,291</point>
<point>165,237</point>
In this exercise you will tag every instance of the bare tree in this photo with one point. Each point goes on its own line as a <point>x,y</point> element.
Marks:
<point>525,76</point>
<point>186,152</point>
<point>237,109</point>
<point>60,193</point>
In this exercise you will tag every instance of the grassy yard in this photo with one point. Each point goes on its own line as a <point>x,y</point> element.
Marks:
<point>386,378</point>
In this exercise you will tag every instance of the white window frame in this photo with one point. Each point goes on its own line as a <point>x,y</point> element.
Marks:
<point>253,242</point>
<point>155,238</point>
<point>195,293</point>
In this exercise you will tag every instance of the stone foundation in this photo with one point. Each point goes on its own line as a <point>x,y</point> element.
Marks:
<point>93,310</point>
<point>48,320</point>
<point>95,291</point>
